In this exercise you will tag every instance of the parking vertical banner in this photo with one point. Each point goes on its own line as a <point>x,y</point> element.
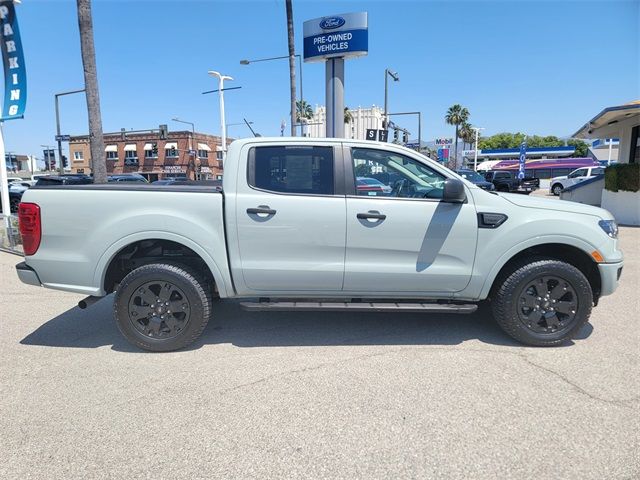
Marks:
<point>522,159</point>
<point>15,75</point>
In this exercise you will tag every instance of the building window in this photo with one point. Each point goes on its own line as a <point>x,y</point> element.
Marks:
<point>219,155</point>
<point>130,157</point>
<point>112,155</point>
<point>78,156</point>
<point>150,150</point>
<point>203,154</point>
<point>634,148</point>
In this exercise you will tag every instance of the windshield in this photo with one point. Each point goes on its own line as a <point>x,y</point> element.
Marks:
<point>471,176</point>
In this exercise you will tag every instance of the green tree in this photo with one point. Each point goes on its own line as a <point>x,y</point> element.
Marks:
<point>467,134</point>
<point>456,115</point>
<point>348,118</point>
<point>303,111</point>
<point>582,148</point>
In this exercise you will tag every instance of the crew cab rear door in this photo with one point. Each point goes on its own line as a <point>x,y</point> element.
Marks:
<point>290,218</point>
<point>404,238</point>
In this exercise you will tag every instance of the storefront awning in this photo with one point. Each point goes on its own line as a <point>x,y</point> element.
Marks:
<point>111,148</point>
<point>170,145</point>
<point>148,146</point>
<point>204,146</point>
<point>130,147</point>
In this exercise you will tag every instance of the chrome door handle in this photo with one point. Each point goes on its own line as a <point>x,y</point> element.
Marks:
<point>261,209</point>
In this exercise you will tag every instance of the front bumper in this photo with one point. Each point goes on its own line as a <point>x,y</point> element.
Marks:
<point>27,275</point>
<point>609,277</point>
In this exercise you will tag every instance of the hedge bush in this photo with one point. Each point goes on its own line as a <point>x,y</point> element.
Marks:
<point>622,176</point>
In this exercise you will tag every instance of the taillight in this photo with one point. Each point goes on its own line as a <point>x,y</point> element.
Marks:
<point>30,228</point>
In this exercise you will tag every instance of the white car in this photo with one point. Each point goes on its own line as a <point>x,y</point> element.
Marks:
<point>581,174</point>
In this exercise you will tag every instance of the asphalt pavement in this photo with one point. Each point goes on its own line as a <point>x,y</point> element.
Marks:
<point>321,395</point>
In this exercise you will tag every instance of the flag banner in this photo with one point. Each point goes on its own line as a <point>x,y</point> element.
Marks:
<point>15,75</point>
<point>522,159</point>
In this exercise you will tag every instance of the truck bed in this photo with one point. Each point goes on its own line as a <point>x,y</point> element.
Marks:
<point>85,226</point>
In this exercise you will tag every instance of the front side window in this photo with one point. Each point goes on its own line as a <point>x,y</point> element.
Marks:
<point>380,173</point>
<point>292,169</point>
<point>503,175</point>
<point>578,173</point>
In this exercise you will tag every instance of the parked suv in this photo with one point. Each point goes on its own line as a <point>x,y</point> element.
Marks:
<point>581,174</point>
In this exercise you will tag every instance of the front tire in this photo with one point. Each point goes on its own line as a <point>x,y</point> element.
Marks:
<point>542,301</point>
<point>557,189</point>
<point>162,307</point>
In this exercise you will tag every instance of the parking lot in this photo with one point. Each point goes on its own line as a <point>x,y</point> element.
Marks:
<point>323,395</point>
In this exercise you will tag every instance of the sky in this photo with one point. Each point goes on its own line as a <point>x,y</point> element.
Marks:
<point>538,67</point>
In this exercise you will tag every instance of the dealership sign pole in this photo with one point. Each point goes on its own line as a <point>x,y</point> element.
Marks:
<point>332,39</point>
<point>15,87</point>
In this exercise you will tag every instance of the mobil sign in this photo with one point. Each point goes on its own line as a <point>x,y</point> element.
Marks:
<point>344,35</point>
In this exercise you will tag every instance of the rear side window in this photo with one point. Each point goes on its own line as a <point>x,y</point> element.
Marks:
<point>293,169</point>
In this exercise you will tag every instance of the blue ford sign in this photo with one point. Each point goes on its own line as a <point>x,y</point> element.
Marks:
<point>345,36</point>
<point>330,23</point>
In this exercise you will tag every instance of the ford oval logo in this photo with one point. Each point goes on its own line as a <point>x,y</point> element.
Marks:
<point>330,23</point>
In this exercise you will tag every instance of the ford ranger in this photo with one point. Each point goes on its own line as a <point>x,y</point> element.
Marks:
<point>290,230</point>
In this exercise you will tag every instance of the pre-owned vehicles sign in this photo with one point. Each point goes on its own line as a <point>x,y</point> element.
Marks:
<point>345,35</point>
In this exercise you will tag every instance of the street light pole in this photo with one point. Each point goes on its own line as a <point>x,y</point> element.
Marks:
<point>394,75</point>
<point>59,140</point>
<point>299,57</point>
<point>221,78</point>
<point>475,155</point>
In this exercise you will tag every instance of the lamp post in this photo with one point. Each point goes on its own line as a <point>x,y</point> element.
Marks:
<point>191,138</point>
<point>221,78</point>
<point>475,155</point>
<point>299,57</point>
<point>59,140</point>
<point>394,75</point>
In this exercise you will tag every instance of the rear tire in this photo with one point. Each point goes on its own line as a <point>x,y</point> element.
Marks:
<point>162,307</point>
<point>542,301</point>
<point>557,189</point>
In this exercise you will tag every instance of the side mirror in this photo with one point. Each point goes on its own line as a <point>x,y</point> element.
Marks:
<point>453,191</point>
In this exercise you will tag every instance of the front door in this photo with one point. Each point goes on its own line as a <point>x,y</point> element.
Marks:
<point>400,236</point>
<point>290,219</point>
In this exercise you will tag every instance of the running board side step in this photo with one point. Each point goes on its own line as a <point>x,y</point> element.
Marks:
<point>360,307</point>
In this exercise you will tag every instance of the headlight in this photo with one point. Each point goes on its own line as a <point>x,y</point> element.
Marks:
<point>610,227</point>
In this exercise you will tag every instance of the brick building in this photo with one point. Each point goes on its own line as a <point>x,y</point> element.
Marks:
<point>153,154</point>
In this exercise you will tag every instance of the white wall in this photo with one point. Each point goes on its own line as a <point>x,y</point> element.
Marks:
<point>363,118</point>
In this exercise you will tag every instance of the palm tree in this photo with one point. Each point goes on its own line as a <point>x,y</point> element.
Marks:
<point>303,111</point>
<point>292,65</point>
<point>348,118</point>
<point>96,140</point>
<point>467,134</point>
<point>456,115</point>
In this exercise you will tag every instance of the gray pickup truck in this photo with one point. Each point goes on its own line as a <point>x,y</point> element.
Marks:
<point>292,229</point>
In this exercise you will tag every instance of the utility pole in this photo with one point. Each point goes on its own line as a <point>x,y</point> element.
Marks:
<point>96,139</point>
<point>394,75</point>
<point>223,127</point>
<point>292,65</point>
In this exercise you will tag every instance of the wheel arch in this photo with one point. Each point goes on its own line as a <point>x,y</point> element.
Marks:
<point>572,251</point>
<point>104,273</point>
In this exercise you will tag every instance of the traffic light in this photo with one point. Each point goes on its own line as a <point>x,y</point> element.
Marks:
<point>163,132</point>
<point>65,162</point>
<point>154,149</point>
<point>405,138</point>
<point>396,134</point>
